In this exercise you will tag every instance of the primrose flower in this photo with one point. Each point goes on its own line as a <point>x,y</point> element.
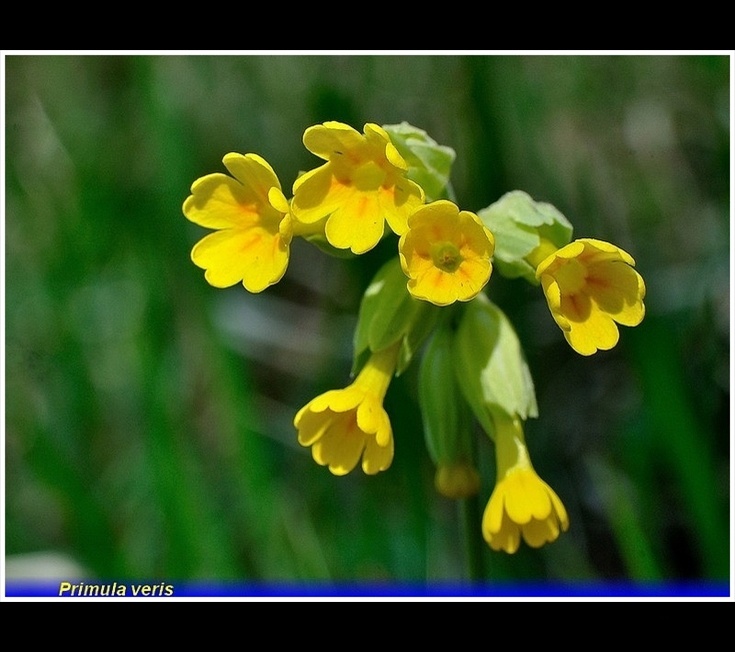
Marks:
<point>522,504</point>
<point>252,224</point>
<point>589,286</point>
<point>446,253</point>
<point>343,425</point>
<point>362,185</point>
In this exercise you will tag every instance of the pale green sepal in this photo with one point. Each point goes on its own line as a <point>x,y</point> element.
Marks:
<point>490,367</point>
<point>426,316</point>
<point>429,164</point>
<point>444,414</point>
<point>518,223</point>
<point>388,313</point>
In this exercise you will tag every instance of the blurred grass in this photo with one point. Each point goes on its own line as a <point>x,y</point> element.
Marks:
<point>148,416</point>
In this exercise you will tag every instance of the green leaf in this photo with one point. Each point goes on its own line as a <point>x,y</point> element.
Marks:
<point>429,164</point>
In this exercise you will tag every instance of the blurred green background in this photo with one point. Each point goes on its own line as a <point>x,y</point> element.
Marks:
<point>148,423</point>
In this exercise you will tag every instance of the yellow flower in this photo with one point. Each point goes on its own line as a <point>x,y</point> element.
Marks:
<point>253,227</point>
<point>522,504</point>
<point>343,425</point>
<point>362,185</point>
<point>589,286</point>
<point>446,253</point>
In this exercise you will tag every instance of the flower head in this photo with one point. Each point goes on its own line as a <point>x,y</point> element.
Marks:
<point>252,224</point>
<point>522,504</point>
<point>362,185</point>
<point>446,253</point>
<point>589,286</point>
<point>343,425</point>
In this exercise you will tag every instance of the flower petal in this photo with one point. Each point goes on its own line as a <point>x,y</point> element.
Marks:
<point>357,224</point>
<point>537,533</point>
<point>507,538</point>
<point>220,202</point>
<point>253,256</point>
<point>559,510</point>
<point>254,173</point>
<point>525,497</point>
<point>340,446</point>
<point>318,193</point>
<point>590,328</point>
<point>311,425</point>
<point>278,200</point>
<point>435,286</point>
<point>333,138</point>
<point>609,251</point>
<point>343,424</point>
<point>377,458</point>
<point>492,520</point>
<point>618,290</point>
<point>398,202</point>
<point>338,400</point>
<point>369,415</point>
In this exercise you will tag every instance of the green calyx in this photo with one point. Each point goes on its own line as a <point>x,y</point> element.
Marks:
<point>490,367</point>
<point>520,226</point>
<point>429,164</point>
<point>389,314</point>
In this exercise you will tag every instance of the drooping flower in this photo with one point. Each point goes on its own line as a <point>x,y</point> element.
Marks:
<point>253,228</point>
<point>344,425</point>
<point>446,253</point>
<point>522,504</point>
<point>361,186</point>
<point>591,286</point>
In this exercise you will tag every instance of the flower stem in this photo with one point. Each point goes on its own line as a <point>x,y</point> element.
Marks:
<point>469,516</point>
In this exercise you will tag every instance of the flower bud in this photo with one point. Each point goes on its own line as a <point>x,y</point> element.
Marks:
<point>445,417</point>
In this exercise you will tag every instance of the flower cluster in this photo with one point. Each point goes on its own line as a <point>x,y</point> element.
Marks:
<point>394,180</point>
<point>361,193</point>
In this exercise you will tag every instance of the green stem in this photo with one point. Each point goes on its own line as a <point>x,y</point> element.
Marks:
<point>469,516</point>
